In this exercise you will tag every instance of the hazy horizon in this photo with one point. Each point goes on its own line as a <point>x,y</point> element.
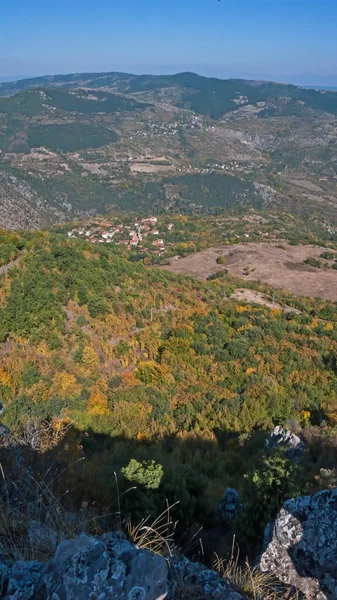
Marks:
<point>304,79</point>
<point>292,40</point>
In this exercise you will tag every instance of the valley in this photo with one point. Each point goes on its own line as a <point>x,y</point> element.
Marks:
<point>80,145</point>
<point>168,289</point>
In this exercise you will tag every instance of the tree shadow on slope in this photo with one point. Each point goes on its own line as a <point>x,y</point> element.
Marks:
<point>85,473</point>
<point>86,470</point>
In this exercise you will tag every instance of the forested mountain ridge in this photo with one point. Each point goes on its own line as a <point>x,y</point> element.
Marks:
<point>205,95</point>
<point>84,144</point>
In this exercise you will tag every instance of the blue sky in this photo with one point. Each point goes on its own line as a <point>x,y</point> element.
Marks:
<point>274,38</point>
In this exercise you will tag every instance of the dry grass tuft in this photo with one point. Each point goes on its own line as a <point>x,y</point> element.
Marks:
<point>33,519</point>
<point>251,581</point>
<point>157,536</point>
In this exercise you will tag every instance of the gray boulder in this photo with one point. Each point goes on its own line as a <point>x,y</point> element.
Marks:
<point>107,569</point>
<point>301,548</point>
<point>193,580</point>
<point>229,505</point>
<point>42,537</point>
<point>88,568</point>
<point>110,568</point>
<point>22,580</point>
<point>283,438</point>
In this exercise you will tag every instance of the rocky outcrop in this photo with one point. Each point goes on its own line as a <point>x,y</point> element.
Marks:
<point>189,580</point>
<point>301,548</point>
<point>284,439</point>
<point>42,537</point>
<point>106,568</point>
<point>229,505</point>
<point>110,568</point>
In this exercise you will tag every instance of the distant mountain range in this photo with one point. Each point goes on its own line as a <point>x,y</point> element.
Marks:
<point>90,142</point>
<point>205,95</point>
<point>310,80</point>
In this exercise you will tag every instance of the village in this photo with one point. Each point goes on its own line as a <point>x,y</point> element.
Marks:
<point>143,233</point>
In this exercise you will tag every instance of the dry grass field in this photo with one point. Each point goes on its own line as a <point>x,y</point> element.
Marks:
<point>279,265</point>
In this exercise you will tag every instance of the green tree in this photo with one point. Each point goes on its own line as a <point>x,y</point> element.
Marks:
<point>147,473</point>
<point>265,491</point>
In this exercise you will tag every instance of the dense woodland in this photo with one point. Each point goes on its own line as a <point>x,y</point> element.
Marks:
<point>142,365</point>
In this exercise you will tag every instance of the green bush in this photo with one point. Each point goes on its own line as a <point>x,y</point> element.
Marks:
<point>147,473</point>
<point>266,489</point>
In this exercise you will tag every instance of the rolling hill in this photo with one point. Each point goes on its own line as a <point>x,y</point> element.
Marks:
<point>206,95</point>
<point>92,143</point>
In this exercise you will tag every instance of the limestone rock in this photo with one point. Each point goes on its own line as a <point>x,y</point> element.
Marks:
<point>22,580</point>
<point>4,431</point>
<point>283,438</point>
<point>3,578</point>
<point>301,548</point>
<point>229,505</point>
<point>190,577</point>
<point>88,568</point>
<point>42,537</point>
<point>108,569</point>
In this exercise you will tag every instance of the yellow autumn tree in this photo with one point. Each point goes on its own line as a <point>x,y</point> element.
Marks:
<point>132,418</point>
<point>65,385</point>
<point>98,401</point>
<point>5,378</point>
<point>89,358</point>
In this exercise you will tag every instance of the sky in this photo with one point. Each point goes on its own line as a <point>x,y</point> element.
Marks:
<point>292,40</point>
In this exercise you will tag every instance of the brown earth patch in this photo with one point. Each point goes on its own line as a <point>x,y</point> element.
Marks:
<point>278,265</point>
<point>254,297</point>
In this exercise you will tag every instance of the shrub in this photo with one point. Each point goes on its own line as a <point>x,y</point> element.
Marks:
<point>313,262</point>
<point>147,473</point>
<point>328,255</point>
<point>265,491</point>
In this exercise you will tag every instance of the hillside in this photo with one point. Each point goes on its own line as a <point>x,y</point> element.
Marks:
<point>84,144</point>
<point>206,95</point>
<point>148,365</point>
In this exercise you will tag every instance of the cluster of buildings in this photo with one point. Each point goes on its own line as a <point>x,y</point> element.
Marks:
<point>172,128</point>
<point>129,234</point>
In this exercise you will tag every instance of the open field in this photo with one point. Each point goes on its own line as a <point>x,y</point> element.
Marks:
<point>255,297</point>
<point>279,265</point>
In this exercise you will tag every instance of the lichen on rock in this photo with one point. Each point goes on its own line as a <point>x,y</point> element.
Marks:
<point>109,567</point>
<point>301,547</point>
<point>281,438</point>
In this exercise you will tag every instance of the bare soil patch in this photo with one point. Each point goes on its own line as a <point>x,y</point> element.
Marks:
<point>148,168</point>
<point>254,297</point>
<point>278,265</point>
<point>307,185</point>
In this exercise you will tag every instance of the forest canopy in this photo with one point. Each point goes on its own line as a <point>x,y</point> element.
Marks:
<point>164,368</point>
